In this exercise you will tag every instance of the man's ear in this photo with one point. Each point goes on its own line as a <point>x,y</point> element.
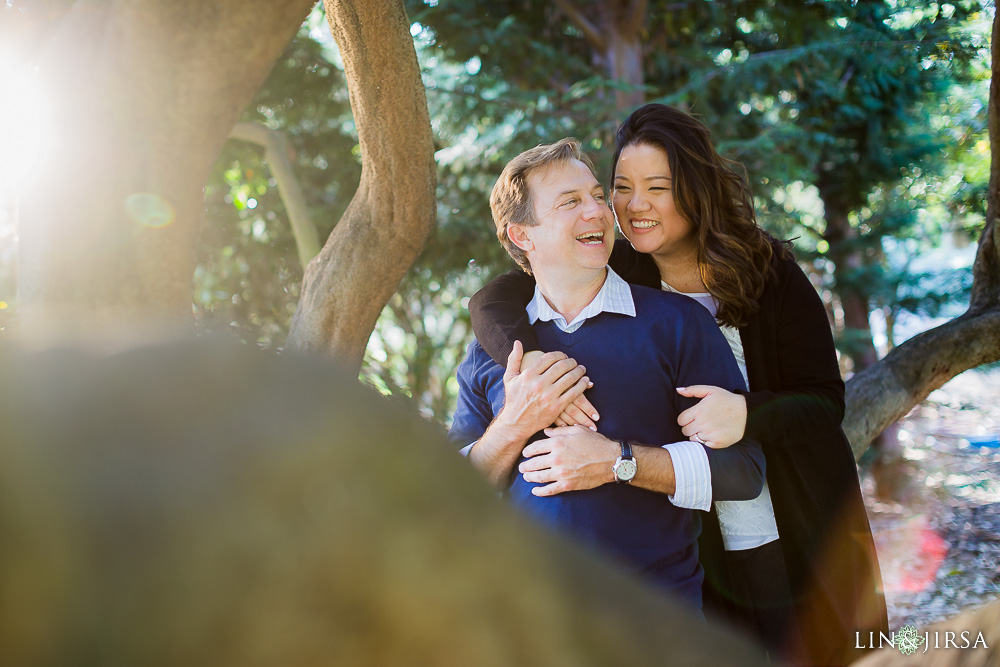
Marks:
<point>518,235</point>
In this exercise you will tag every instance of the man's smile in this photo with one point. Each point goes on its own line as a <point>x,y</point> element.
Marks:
<point>591,238</point>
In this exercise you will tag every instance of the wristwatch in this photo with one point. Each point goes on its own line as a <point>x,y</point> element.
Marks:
<point>625,467</point>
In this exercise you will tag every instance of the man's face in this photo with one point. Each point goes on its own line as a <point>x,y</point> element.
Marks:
<point>575,228</point>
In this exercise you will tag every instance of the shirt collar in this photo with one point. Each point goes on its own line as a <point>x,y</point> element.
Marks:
<point>615,296</point>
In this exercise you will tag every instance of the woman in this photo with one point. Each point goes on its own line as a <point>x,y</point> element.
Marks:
<point>689,216</point>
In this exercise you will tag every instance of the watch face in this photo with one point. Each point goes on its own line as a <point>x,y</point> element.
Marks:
<point>625,470</point>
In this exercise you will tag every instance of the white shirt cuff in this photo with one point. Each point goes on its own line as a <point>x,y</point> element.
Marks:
<point>464,451</point>
<point>692,476</point>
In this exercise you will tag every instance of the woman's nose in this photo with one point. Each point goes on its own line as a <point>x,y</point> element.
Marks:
<point>637,203</point>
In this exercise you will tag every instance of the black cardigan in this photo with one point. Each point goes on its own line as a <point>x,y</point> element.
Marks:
<point>794,408</point>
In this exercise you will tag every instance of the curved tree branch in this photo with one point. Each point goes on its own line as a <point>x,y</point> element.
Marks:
<point>393,210</point>
<point>277,151</point>
<point>886,391</point>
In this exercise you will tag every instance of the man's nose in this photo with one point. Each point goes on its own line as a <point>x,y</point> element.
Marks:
<point>593,208</point>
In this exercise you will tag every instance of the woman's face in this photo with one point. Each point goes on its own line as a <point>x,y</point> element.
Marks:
<point>644,205</point>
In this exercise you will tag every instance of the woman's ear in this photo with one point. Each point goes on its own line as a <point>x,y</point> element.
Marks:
<point>518,235</point>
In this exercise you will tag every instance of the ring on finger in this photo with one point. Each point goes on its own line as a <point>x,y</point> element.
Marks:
<point>697,438</point>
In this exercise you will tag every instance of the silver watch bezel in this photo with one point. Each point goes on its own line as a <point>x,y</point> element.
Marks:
<point>619,468</point>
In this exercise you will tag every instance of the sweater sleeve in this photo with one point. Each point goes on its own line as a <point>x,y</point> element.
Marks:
<point>811,395</point>
<point>473,412</point>
<point>499,316</point>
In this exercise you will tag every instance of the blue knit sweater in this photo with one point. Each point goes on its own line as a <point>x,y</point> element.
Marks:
<point>635,363</point>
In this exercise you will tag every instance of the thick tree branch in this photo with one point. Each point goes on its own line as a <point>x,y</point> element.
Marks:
<point>886,391</point>
<point>591,32</point>
<point>143,96</point>
<point>385,226</point>
<point>276,152</point>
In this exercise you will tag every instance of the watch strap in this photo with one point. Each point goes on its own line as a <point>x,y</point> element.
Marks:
<point>626,449</point>
<point>620,465</point>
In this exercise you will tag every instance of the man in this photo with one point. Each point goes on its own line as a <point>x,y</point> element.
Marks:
<point>630,500</point>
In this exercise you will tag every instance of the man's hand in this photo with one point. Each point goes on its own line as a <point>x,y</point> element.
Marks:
<point>572,458</point>
<point>535,396</point>
<point>579,412</point>
<point>718,420</point>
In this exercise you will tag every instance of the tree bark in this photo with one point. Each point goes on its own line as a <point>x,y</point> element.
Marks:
<point>288,517</point>
<point>143,96</point>
<point>881,394</point>
<point>388,220</point>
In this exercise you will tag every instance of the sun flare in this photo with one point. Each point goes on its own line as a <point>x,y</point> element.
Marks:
<point>22,127</point>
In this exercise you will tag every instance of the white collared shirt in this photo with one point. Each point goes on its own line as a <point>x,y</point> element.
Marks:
<point>615,296</point>
<point>745,524</point>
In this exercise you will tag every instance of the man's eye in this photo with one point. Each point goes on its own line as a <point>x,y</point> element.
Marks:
<point>570,202</point>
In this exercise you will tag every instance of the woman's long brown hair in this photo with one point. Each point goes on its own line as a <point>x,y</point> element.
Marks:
<point>713,193</point>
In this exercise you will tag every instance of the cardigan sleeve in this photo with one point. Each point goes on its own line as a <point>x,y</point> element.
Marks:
<point>703,356</point>
<point>809,395</point>
<point>498,309</point>
<point>499,315</point>
<point>633,266</point>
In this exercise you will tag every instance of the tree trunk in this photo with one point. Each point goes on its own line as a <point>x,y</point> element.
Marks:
<point>617,42</point>
<point>143,96</point>
<point>393,211</point>
<point>289,517</point>
<point>854,299</point>
<point>881,394</point>
<point>624,64</point>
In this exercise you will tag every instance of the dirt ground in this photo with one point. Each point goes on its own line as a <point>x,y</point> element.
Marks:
<point>939,537</point>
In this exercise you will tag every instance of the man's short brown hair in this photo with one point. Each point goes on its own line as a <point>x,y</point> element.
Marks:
<point>511,201</point>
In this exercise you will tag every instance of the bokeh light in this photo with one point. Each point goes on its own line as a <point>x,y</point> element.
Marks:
<point>149,210</point>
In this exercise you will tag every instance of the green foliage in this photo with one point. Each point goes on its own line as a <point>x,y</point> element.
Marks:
<point>249,276</point>
<point>876,109</point>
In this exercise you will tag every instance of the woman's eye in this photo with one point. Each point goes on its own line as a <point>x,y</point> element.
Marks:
<point>622,190</point>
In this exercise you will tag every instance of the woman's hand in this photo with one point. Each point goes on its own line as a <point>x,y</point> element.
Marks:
<point>719,418</point>
<point>579,413</point>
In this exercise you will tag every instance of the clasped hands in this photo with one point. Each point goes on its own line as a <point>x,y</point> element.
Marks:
<point>574,456</point>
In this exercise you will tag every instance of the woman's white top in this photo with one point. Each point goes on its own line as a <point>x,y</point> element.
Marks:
<point>745,524</point>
